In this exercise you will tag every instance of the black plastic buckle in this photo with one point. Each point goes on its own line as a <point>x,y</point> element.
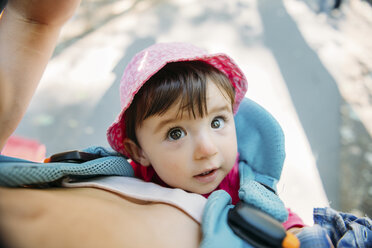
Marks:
<point>255,227</point>
<point>72,157</point>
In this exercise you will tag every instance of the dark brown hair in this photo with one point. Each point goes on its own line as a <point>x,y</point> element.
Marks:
<point>177,81</point>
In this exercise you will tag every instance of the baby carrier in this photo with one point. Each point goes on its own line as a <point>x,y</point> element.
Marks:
<point>261,157</point>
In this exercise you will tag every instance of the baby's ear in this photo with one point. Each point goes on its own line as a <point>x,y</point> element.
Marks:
<point>135,152</point>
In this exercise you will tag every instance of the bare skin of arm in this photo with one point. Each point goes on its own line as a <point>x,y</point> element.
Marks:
<point>88,217</point>
<point>29,31</point>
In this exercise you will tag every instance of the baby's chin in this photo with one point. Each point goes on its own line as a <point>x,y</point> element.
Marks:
<point>205,190</point>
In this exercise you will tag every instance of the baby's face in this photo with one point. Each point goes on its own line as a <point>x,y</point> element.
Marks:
<point>188,153</point>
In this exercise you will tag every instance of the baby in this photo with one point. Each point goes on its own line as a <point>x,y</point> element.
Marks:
<point>177,119</point>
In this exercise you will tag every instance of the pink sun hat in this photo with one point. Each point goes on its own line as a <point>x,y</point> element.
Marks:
<point>149,61</point>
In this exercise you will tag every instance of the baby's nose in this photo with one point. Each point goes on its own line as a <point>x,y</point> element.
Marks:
<point>205,147</point>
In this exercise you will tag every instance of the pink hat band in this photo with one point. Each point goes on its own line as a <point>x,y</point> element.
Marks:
<point>149,61</point>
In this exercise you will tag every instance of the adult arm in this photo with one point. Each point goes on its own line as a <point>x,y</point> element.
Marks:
<point>88,217</point>
<point>66,217</point>
<point>28,34</point>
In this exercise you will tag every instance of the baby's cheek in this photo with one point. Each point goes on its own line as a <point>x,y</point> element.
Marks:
<point>170,171</point>
<point>233,150</point>
<point>232,138</point>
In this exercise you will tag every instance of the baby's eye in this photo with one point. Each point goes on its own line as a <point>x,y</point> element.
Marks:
<point>218,122</point>
<point>175,134</point>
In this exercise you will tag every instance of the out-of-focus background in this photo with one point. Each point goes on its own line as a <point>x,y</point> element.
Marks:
<point>308,62</point>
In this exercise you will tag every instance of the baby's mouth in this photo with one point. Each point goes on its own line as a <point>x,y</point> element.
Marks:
<point>207,177</point>
<point>206,173</point>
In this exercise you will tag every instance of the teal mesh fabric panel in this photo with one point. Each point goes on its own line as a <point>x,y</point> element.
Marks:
<point>17,172</point>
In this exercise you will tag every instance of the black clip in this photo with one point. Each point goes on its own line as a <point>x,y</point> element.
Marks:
<point>255,227</point>
<point>72,157</point>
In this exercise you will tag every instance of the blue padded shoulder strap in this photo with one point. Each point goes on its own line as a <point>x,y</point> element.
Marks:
<point>18,172</point>
<point>260,142</point>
